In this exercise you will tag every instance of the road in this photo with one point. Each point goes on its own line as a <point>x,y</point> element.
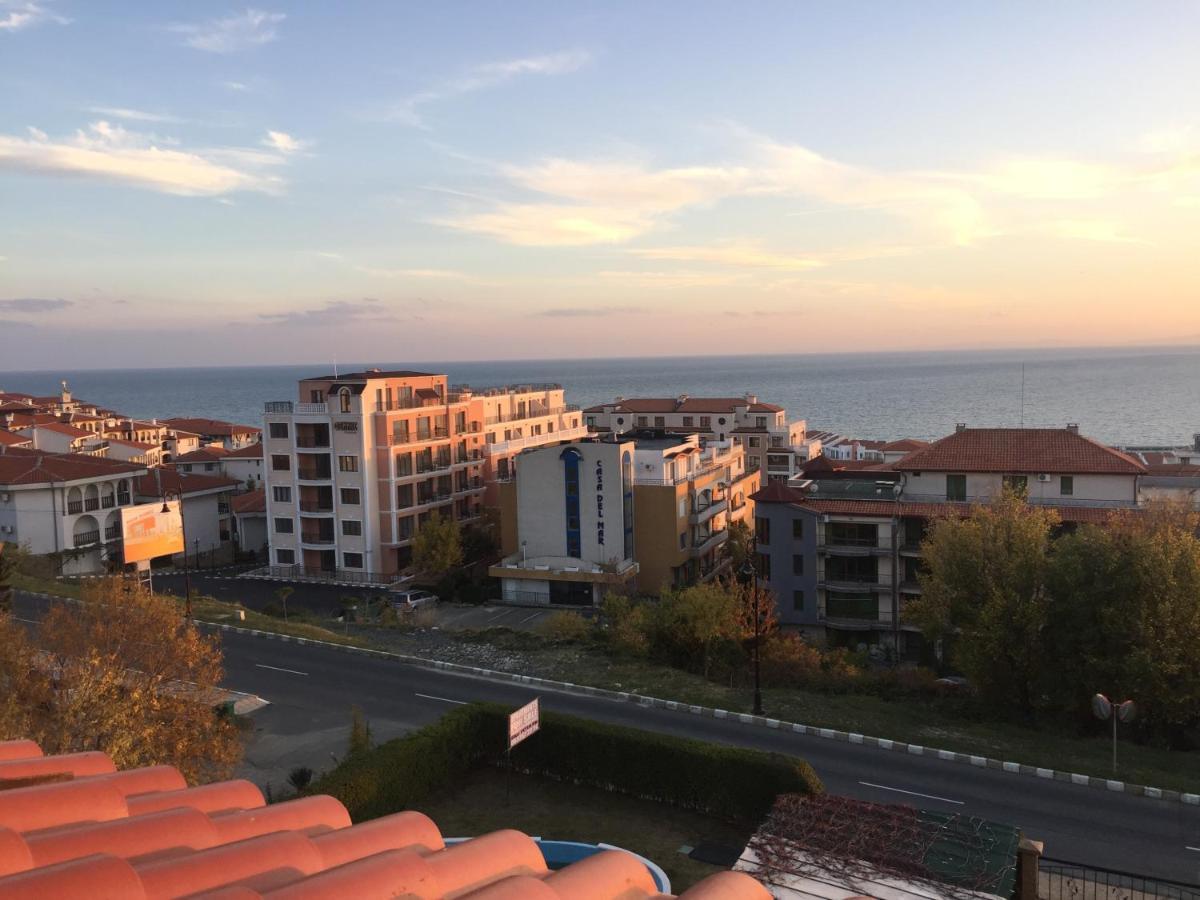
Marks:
<point>312,688</point>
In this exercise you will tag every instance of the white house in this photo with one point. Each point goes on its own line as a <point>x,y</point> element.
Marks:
<point>207,515</point>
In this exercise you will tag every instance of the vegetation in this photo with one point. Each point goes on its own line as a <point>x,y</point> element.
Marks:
<point>300,778</point>
<point>437,547</point>
<point>282,596</point>
<point>360,733</point>
<point>1041,623</point>
<point>122,672</point>
<point>727,782</point>
<point>564,625</point>
<point>8,568</point>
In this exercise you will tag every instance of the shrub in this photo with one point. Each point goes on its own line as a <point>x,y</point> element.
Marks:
<point>300,777</point>
<point>360,733</point>
<point>626,625</point>
<point>564,626</point>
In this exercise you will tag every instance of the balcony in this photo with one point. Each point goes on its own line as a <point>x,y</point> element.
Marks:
<point>850,584</point>
<point>87,538</point>
<point>74,506</point>
<point>122,499</point>
<point>112,532</point>
<point>538,413</point>
<point>702,543</point>
<point>703,512</point>
<point>324,507</point>
<point>108,502</point>
<point>278,407</point>
<point>537,440</point>
<point>850,547</point>
<point>316,538</point>
<point>312,409</point>
<point>310,442</point>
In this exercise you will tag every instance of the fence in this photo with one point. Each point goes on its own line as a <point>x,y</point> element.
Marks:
<point>1061,880</point>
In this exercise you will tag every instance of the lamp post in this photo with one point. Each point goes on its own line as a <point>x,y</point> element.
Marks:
<point>168,495</point>
<point>1103,708</point>
<point>749,575</point>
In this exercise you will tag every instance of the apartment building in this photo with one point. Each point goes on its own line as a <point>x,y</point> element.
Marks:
<point>840,548</point>
<point>772,444</point>
<point>65,504</point>
<point>58,437</point>
<point>244,465</point>
<point>362,460</point>
<point>213,431</point>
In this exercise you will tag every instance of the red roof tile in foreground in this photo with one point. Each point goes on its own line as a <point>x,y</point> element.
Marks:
<point>142,834</point>
<point>9,439</point>
<point>1029,451</point>
<point>904,445</point>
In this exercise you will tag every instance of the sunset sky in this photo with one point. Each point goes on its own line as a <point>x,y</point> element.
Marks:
<point>205,183</point>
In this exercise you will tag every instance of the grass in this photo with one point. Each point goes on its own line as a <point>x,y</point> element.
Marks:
<point>558,811</point>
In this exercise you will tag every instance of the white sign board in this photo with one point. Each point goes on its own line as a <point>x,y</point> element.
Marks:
<point>523,723</point>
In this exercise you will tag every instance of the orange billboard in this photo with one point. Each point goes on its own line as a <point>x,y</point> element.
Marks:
<point>148,532</point>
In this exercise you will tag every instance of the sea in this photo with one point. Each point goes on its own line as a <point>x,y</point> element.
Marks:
<point>1140,397</point>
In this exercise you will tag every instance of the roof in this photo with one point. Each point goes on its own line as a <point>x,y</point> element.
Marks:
<point>19,466</point>
<point>137,445</point>
<point>60,428</point>
<point>250,502</point>
<point>1021,450</point>
<point>684,405</point>
<point>825,465</point>
<point>143,833</point>
<point>9,439</point>
<point>1174,470</point>
<point>373,373</point>
<point>905,445</point>
<point>250,451</point>
<point>210,426</point>
<point>204,454</point>
<point>167,479</point>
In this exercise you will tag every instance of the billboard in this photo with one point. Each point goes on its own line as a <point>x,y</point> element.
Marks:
<point>523,723</point>
<point>149,532</point>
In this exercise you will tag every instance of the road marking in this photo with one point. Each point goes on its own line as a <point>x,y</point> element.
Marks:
<point>277,669</point>
<point>884,787</point>
<point>442,699</point>
<point>527,618</point>
<point>1196,849</point>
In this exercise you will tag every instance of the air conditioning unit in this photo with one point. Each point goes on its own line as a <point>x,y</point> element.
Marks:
<point>1043,478</point>
<point>5,497</point>
<point>6,529</point>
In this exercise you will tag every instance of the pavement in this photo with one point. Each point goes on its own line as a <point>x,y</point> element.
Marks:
<point>325,600</point>
<point>312,688</point>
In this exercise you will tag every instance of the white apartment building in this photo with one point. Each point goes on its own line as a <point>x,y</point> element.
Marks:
<point>362,460</point>
<point>773,445</point>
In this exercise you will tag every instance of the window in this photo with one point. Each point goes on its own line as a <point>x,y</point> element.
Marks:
<point>352,560</point>
<point>347,463</point>
<point>754,442</point>
<point>208,467</point>
<point>852,534</point>
<point>687,421</point>
<point>721,421</point>
<point>642,421</point>
<point>764,565</point>
<point>956,487</point>
<point>281,494</point>
<point>350,496</point>
<point>279,430</point>
<point>571,459</point>
<point>706,421</point>
<point>762,529</point>
<point>620,420</point>
<point>351,527</point>
<point>344,399</point>
<point>797,564</point>
<point>405,529</point>
<point>281,462</point>
<point>316,396</point>
<point>591,422</point>
<point>1018,484</point>
<point>760,421</point>
<point>797,529</point>
<point>660,421</point>
<point>798,601</point>
<point>683,541</point>
<point>1066,485</point>
<point>285,557</point>
<point>283,526</point>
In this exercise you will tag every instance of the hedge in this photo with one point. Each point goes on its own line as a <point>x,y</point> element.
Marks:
<point>727,782</point>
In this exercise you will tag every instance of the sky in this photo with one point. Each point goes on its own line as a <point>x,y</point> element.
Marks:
<point>204,183</point>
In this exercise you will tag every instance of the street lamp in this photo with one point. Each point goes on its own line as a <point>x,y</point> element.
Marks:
<point>172,494</point>
<point>749,575</point>
<point>1109,709</point>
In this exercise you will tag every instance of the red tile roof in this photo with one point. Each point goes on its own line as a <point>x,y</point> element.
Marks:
<point>60,428</point>
<point>905,445</point>
<point>250,502</point>
<point>823,465</point>
<point>250,451</point>
<point>700,405</point>
<point>211,426</point>
<point>1028,451</point>
<point>20,466</point>
<point>11,439</point>
<point>204,454</point>
<point>167,479</point>
<point>1179,470</point>
<point>143,834</point>
<point>137,445</point>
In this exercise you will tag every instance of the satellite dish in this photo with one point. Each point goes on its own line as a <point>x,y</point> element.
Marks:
<point>1101,706</point>
<point>1126,711</point>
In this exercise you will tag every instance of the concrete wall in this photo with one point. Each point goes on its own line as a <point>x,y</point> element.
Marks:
<point>781,547</point>
<point>1112,488</point>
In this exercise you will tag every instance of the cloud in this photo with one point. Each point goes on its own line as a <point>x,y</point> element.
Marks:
<point>18,14</point>
<point>1102,230</point>
<point>133,115</point>
<point>247,29</point>
<point>33,304</point>
<point>111,153</point>
<point>14,323</point>
<point>489,75</point>
<point>378,272</point>
<point>284,142</point>
<point>334,312</point>
<point>236,86</point>
<point>668,280</point>
<point>573,312</point>
<point>744,254</point>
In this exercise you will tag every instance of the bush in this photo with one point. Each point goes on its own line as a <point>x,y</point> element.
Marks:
<point>360,733</point>
<point>726,782</point>
<point>625,625</point>
<point>565,627</point>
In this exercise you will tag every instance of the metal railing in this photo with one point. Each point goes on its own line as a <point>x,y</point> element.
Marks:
<point>1062,880</point>
<point>316,506</point>
<point>74,506</point>
<point>122,499</point>
<point>278,407</point>
<point>531,414</point>
<point>317,539</point>
<point>112,532</point>
<point>349,576</point>
<point>108,502</point>
<point>84,538</point>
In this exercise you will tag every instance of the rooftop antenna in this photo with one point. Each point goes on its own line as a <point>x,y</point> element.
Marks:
<point>1022,395</point>
<point>335,375</point>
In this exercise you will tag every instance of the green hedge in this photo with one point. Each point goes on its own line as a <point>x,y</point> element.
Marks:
<point>728,782</point>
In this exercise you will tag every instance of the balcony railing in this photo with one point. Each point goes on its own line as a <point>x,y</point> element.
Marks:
<point>349,576</point>
<point>74,506</point>
<point>122,499</point>
<point>312,409</point>
<point>312,443</point>
<point>278,407</point>
<point>316,506</point>
<point>108,502</point>
<point>313,474</point>
<point>85,538</point>
<point>534,413</point>
<point>112,532</point>
<point>537,440</point>
<point>318,539</point>
<point>1032,501</point>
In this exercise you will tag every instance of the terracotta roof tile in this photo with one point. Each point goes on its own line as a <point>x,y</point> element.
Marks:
<point>11,439</point>
<point>167,479</point>
<point>61,428</point>
<point>1020,451</point>
<point>21,466</point>
<point>905,445</point>
<point>210,426</point>
<point>250,502</point>
<point>250,451</point>
<point>141,834</point>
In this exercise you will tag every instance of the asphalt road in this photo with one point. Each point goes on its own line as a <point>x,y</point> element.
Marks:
<point>312,688</point>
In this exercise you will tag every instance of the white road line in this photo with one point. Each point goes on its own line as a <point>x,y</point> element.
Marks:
<point>1196,849</point>
<point>277,669</point>
<point>442,699</point>
<point>884,787</point>
<point>527,618</point>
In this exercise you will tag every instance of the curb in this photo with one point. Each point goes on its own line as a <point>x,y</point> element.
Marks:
<point>982,762</point>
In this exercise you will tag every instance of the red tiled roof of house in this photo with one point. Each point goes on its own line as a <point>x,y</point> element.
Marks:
<point>250,451</point>
<point>204,454</point>
<point>21,466</point>
<point>904,445</point>
<point>1180,470</point>
<point>137,445</point>
<point>11,439</point>
<point>827,465</point>
<point>1020,451</point>
<point>250,502</point>
<point>167,479</point>
<point>27,420</point>
<point>143,833</point>
<point>60,428</point>
<point>210,426</point>
<point>684,405</point>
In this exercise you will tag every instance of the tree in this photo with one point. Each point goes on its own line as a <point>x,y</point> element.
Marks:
<point>739,545</point>
<point>360,733</point>
<point>122,672</point>
<point>691,626</point>
<point>437,546</point>
<point>1126,616</point>
<point>985,586</point>
<point>8,568</point>
<point>282,596</point>
<point>625,624</point>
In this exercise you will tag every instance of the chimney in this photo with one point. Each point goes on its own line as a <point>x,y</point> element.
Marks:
<point>751,398</point>
<point>961,426</point>
<point>1073,427</point>
<point>1196,441</point>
